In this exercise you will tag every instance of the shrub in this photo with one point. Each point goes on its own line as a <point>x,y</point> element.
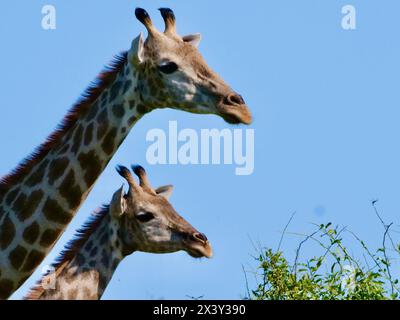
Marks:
<point>333,274</point>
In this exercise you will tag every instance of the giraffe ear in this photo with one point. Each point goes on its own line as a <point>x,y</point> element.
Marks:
<point>193,39</point>
<point>118,203</point>
<point>136,54</point>
<point>165,191</point>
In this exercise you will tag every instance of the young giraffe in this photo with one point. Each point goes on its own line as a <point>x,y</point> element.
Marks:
<point>141,220</point>
<point>41,196</point>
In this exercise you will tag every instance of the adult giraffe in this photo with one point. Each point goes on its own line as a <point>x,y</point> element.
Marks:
<point>40,197</point>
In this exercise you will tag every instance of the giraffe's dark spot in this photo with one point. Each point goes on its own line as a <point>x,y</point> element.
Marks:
<point>132,120</point>
<point>22,281</point>
<point>31,233</point>
<point>30,205</point>
<point>17,257</point>
<point>118,110</point>
<point>93,111</point>
<point>48,237</point>
<point>77,139</point>
<point>114,91</point>
<point>104,238</point>
<point>53,212</point>
<point>132,104</point>
<point>37,176</point>
<point>93,252</point>
<point>33,260</point>
<point>127,85</point>
<point>105,260</point>
<point>91,165</point>
<point>80,259</point>
<point>7,233</point>
<point>141,108</point>
<point>6,288</point>
<point>89,134</point>
<point>102,124</point>
<point>108,142</point>
<point>19,203</point>
<point>89,246</point>
<point>92,263</point>
<point>115,264</point>
<point>123,130</point>
<point>119,233</point>
<point>11,196</point>
<point>57,169</point>
<point>70,190</point>
<point>103,229</point>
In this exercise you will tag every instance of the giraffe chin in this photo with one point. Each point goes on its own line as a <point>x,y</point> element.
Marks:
<point>240,115</point>
<point>196,251</point>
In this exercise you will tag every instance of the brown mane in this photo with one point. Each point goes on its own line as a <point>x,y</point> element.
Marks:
<point>70,250</point>
<point>103,80</point>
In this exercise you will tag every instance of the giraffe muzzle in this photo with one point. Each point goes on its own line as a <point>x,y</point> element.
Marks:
<point>234,110</point>
<point>198,246</point>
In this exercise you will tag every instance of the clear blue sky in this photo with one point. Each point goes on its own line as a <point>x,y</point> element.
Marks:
<point>326,108</point>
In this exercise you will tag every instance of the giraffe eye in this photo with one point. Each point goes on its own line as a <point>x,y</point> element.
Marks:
<point>145,216</point>
<point>168,67</point>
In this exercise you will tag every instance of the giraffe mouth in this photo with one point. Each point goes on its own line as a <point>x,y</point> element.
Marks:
<point>200,252</point>
<point>235,114</point>
<point>231,119</point>
<point>198,246</point>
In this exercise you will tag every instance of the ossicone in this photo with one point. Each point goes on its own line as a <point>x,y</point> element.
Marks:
<point>144,18</point>
<point>169,20</point>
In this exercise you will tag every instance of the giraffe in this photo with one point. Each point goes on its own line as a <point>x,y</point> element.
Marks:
<point>140,220</point>
<point>39,198</point>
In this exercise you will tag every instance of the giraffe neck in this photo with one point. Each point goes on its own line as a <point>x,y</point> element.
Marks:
<point>38,204</point>
<point>88,270</point>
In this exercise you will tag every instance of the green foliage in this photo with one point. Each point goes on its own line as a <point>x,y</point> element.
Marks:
<point>334,274</point>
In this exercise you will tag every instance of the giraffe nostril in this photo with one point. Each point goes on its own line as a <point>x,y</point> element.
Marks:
<point>233,99</point>
<point>200,236</point>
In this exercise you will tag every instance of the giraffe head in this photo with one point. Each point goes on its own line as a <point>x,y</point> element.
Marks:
<point>149,223</point>
<point>172,73</point>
